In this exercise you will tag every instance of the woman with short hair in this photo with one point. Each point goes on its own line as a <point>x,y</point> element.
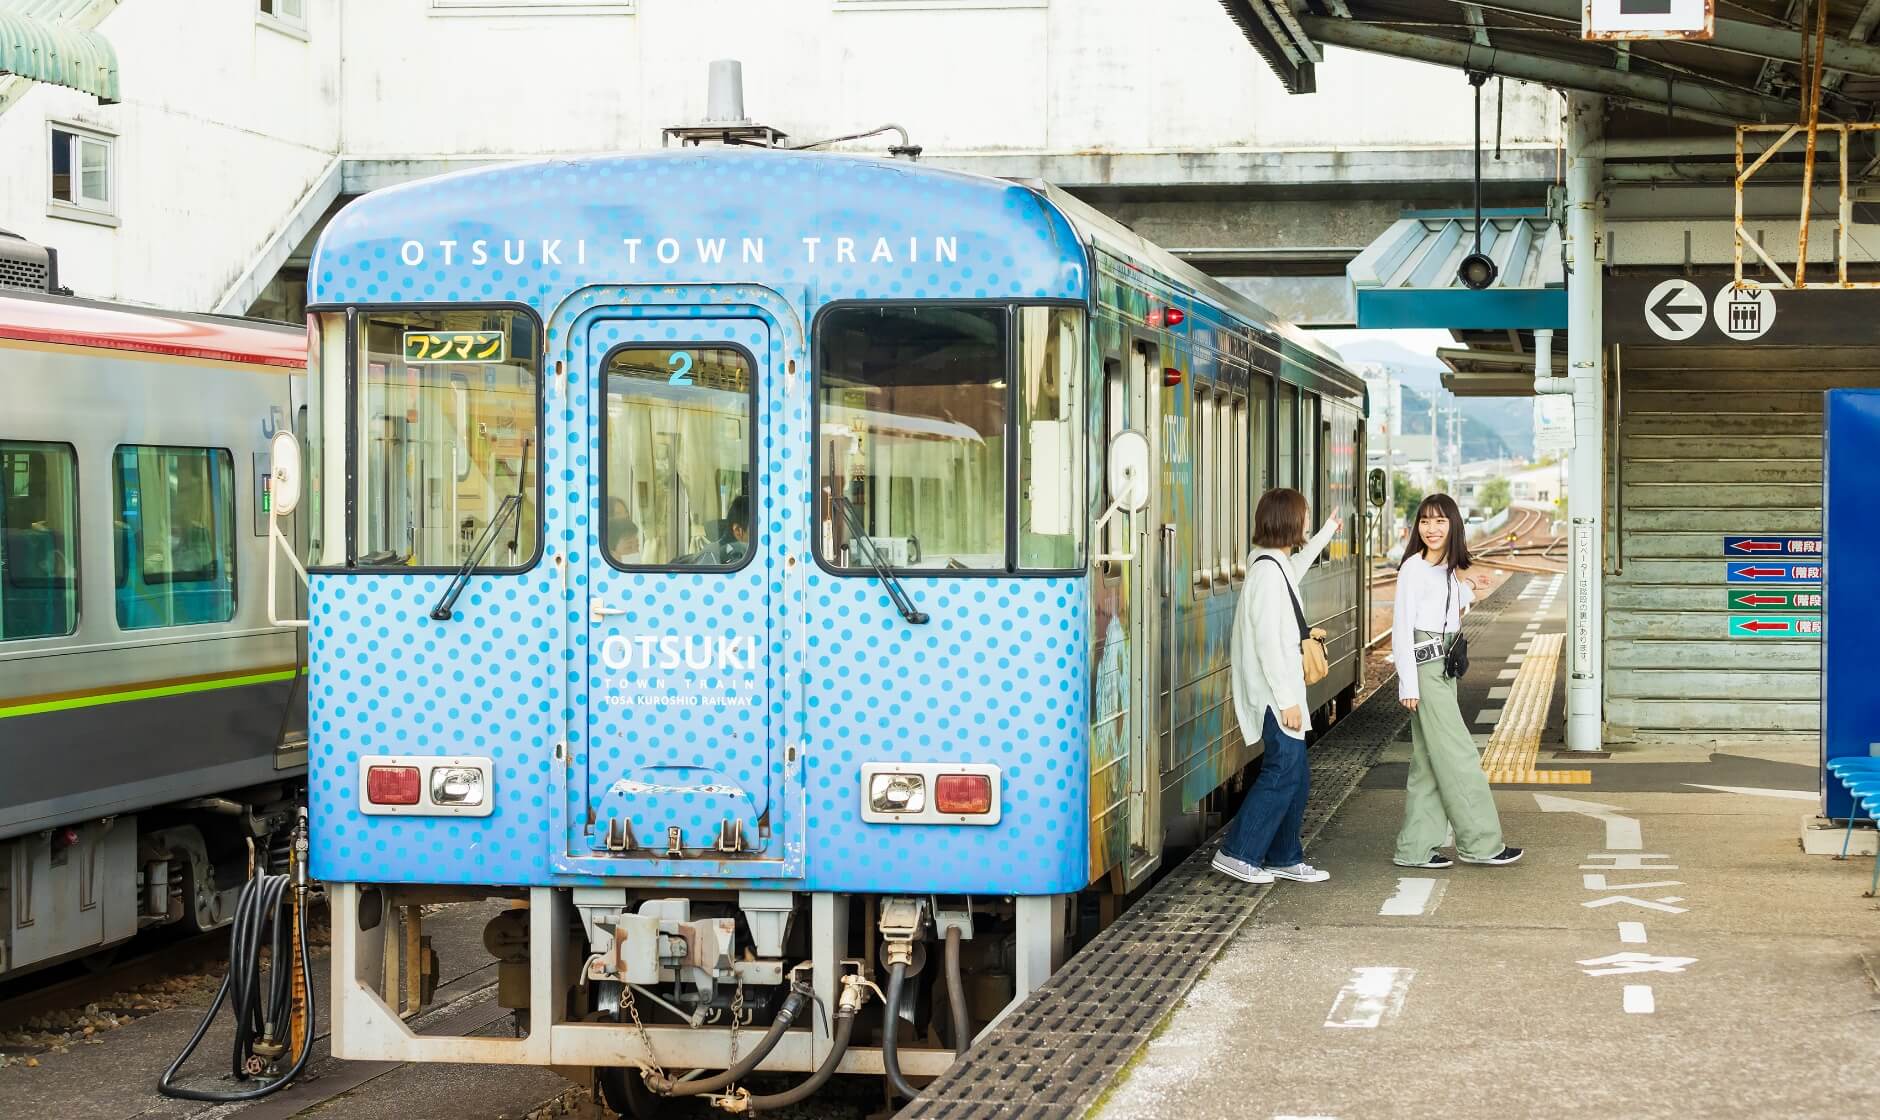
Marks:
<point>1270,694</point>
<point>1446,789</point>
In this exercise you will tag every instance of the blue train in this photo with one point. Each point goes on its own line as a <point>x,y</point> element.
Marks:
<point>779,574</point>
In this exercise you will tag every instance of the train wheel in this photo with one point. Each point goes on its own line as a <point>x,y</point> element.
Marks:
<point>1345,703</point>
<point>624,1094</point>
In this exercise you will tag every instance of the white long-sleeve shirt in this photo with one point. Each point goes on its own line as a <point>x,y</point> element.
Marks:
<point>1268,672</point>
<point>1421,590</point>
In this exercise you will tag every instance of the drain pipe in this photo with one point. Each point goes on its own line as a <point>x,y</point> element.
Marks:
<point>1585,484</point>
<point>1545,383</point>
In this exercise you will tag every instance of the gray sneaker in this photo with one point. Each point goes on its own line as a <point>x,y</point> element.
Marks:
<point>1239,869</point>
<point>1299,873</point>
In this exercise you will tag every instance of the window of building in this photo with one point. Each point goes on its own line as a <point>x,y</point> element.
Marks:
<point>83,173</point>
<point>286,16</point>
<point>449,429</point>
<point>38,540</point>
<point>678,485</point>
<point>916,5</point>
<point>175,535</point>
<point>531,7</point>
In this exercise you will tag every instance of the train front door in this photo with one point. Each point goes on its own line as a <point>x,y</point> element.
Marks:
<point>678,748</point>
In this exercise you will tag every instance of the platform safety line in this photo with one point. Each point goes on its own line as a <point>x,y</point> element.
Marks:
<point>1515,745</point>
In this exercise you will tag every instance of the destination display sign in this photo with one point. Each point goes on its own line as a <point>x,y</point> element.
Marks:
<point>454,346</point>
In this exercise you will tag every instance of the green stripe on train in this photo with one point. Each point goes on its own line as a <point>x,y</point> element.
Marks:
<point>143,694</point>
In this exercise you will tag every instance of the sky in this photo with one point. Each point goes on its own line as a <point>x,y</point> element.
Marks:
<point>1422,342</point>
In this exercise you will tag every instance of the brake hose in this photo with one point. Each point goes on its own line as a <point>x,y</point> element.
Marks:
<point>956,995</point>
<point>263,1006</point>
<point>890,1022</point>
<point>838,1046</point>
<point>793,1005</point>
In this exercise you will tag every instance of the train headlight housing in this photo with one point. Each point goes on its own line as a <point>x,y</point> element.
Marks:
<point>411,785</point>
<point>930,793</point>
<point>897,793</point>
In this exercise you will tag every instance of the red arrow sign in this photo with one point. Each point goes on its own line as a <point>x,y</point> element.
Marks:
<point>1758,627</point>
<point>1758,573</point>
<point>1763,600</point>
<point>1758,546</point>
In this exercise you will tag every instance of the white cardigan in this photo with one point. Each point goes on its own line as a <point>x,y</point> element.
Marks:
<point>1268,672</point>
<point>1422,590</point>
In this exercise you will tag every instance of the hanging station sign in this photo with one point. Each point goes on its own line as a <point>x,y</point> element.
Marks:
<point>1647,19</point>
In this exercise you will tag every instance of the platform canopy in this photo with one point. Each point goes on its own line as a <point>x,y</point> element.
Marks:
<point>52,41</point>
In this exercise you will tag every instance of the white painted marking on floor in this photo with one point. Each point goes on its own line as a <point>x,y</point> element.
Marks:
<point>1516,658</point>
<point>1370,997</point>
<point>1789,794</point>
<point>1507,674</point>
<point>1488,716</point>
<point>1622,833</point>
<point>1599,883</point>
<point>1632,933</point>
<point>1414,898</point>
<point>1663,904</point>
<point>1631,964</point>
<point>1500,692</point>
<point>1638,999</point>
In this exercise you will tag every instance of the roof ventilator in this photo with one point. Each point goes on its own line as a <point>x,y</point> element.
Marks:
<point>726,123</point>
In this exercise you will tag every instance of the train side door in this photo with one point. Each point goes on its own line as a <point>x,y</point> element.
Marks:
<point>1146,620</point>
<point>678,745</point>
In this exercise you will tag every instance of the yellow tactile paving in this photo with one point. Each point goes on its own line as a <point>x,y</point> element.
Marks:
<point>1515,745</point>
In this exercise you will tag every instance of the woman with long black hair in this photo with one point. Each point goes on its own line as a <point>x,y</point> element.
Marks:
<point>1447,789</point>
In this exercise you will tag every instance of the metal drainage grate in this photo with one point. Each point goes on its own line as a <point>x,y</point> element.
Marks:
<point>1062,1047</point>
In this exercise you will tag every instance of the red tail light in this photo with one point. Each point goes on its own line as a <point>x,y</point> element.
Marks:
<point>392,785</point>
<point>963,793</point>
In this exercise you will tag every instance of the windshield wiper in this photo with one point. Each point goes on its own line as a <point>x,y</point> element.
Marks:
<point>510,505</point>
<point>873,555</point>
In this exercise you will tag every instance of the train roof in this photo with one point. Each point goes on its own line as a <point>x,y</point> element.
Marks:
<point>64,321</point>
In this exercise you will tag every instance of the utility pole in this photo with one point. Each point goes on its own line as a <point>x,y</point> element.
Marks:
<point>1393,415</point>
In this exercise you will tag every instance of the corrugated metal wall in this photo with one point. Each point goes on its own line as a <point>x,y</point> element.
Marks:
<point>1710,442</point>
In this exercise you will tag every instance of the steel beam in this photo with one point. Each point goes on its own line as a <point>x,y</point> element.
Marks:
<point>1757,40</point>
<point>1689,99</point>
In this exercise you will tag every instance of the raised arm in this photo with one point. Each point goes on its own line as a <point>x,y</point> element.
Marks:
<point>1303,560</point>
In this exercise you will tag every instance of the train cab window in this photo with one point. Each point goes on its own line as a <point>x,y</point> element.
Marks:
<point>38,540</point>
<point>175,535</point>
<point>677,447</point>
<point>911,443</point>
<point>448,428</point>
<point>1050,438</point>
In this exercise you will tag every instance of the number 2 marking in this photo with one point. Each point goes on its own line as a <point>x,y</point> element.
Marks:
<point>681,363</point>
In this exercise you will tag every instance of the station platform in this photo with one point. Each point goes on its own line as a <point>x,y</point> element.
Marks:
<point>1665,948</point>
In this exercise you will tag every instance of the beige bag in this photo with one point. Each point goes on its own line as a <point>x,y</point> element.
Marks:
<point>1311,639</point>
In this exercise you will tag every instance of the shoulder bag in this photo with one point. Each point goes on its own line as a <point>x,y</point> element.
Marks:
<point>1311,639</point>
<point>1456,659</point>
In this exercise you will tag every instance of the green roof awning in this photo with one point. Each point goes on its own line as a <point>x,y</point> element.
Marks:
<point>42,51</point>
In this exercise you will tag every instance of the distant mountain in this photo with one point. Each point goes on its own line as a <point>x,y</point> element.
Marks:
<point>1493,427</point>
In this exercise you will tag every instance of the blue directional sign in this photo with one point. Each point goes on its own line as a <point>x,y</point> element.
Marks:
<point>1773,548</point>
<point>1765,571</point>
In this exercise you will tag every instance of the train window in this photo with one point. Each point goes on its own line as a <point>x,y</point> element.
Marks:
<point>911,448</point>
<point>1238,544</point>
<point>1288,426</point>
<point>1225,462</point>
<point>1205,471</point>
<point>175,530</point>
<point>677,486</point>
<point>448,427</point>
<point>1115,423</point>
<point>38,540</point>
<point>1309,458</point>
<point>1050,439</point>
<point>1259,435</point>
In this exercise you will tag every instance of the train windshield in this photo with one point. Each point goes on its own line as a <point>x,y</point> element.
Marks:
<point>917,408</point>
<point>449,425</point>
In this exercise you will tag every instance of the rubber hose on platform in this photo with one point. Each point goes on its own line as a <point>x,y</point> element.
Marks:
<point>956,995</point>
<point>256,916</point>
<point>845,1028</point>
<point>793,1005</point>
<point>890,1027</point>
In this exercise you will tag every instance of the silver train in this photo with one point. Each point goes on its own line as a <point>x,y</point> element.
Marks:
<point>152,721</point>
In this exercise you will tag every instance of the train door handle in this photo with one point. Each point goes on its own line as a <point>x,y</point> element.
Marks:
<point>600,610</point>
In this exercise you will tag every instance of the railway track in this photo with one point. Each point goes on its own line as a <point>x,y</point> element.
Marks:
<point>79,984</point>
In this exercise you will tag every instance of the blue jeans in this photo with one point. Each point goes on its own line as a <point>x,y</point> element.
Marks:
<point>1265,832</point>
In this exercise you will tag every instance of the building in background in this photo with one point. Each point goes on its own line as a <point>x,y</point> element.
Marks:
<point>203,186</point>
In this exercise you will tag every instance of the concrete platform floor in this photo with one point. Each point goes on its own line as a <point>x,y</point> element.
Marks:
<point>1729,975</point>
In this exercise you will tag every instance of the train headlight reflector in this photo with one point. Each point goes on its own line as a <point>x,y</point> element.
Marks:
<point>456,785</point>
<point>392,785</point>
<point>963,793</point>
<point>897,793</point>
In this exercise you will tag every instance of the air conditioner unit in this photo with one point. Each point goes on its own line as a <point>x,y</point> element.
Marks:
<point>27,267</point>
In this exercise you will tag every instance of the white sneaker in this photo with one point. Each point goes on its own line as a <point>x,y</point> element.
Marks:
<point>1239,869</point>
<point>1299,873</point>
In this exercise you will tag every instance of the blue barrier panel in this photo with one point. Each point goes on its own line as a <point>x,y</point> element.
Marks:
<point>1850,654</point>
